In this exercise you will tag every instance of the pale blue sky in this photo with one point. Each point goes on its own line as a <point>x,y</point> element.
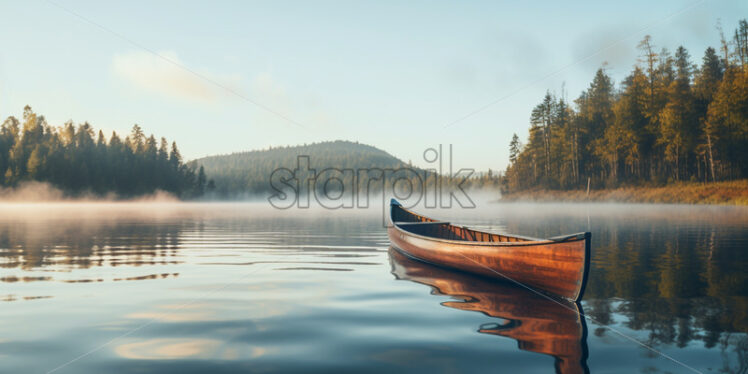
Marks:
<point>390,74</point>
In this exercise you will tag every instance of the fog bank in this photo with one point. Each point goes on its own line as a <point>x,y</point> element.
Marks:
<point>40,192</point>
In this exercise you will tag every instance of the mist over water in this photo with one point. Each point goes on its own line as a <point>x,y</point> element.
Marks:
<point>38,192</point>
<point>226,287</point>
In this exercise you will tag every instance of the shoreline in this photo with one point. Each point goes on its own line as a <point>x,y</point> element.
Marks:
<point>715,193</point>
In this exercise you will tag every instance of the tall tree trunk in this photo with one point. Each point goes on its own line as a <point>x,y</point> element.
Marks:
<point>711,157</point>
<point>677,162</point>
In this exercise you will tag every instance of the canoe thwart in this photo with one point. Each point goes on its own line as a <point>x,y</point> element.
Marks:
<point>562,238</point>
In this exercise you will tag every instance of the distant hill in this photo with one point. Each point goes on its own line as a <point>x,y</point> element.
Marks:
<point>249,172</point>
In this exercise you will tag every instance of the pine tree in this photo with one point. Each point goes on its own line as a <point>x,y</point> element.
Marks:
<point>678,124</point>
<point>705,86</point>
<point>137,139</point>
<point>201,181</point>
<point>740,41</point>
<point>9,132</point>
<point>514,149</point>
<point>175,158</point>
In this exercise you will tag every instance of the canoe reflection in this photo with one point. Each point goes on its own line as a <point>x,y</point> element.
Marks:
<point>537,323</point>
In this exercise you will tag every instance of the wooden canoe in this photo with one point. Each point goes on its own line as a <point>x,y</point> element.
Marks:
<point>538,324</point>
<point>558,266</point>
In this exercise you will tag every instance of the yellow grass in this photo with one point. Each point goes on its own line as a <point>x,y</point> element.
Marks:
<point>720,193</point>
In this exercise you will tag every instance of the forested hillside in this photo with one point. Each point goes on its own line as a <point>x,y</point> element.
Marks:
<point>79,161</point>
<point>669,120</point>
<point>246,173</point>
<point>249,172</point>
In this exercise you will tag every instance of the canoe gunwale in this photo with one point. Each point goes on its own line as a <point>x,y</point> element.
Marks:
<point>527,241</point>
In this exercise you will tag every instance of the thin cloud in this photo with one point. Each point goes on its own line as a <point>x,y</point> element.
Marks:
<point>273,92</point>
<point>296,103</point>
<point>154,74</point>
<point>614,45</point>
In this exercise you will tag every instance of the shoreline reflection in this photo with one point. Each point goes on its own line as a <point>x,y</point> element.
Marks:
<point>538,324</point>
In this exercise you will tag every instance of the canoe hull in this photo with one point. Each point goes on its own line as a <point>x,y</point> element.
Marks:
<point>558,268</point>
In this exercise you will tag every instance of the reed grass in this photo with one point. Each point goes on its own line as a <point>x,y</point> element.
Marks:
<point>717,193</point>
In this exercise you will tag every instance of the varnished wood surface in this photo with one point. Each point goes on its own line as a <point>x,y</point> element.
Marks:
<point>556,267</point>
<point>538,324</point>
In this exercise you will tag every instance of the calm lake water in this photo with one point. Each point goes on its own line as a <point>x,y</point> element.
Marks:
<point>195,288</point>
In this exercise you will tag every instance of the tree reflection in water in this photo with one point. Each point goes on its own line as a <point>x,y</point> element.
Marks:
<point>682,283</point>
<point>676,274</point>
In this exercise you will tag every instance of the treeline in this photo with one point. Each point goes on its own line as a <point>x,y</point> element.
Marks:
<point>79,161</point>
<point>244,174</point>
<point>669,120</point>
